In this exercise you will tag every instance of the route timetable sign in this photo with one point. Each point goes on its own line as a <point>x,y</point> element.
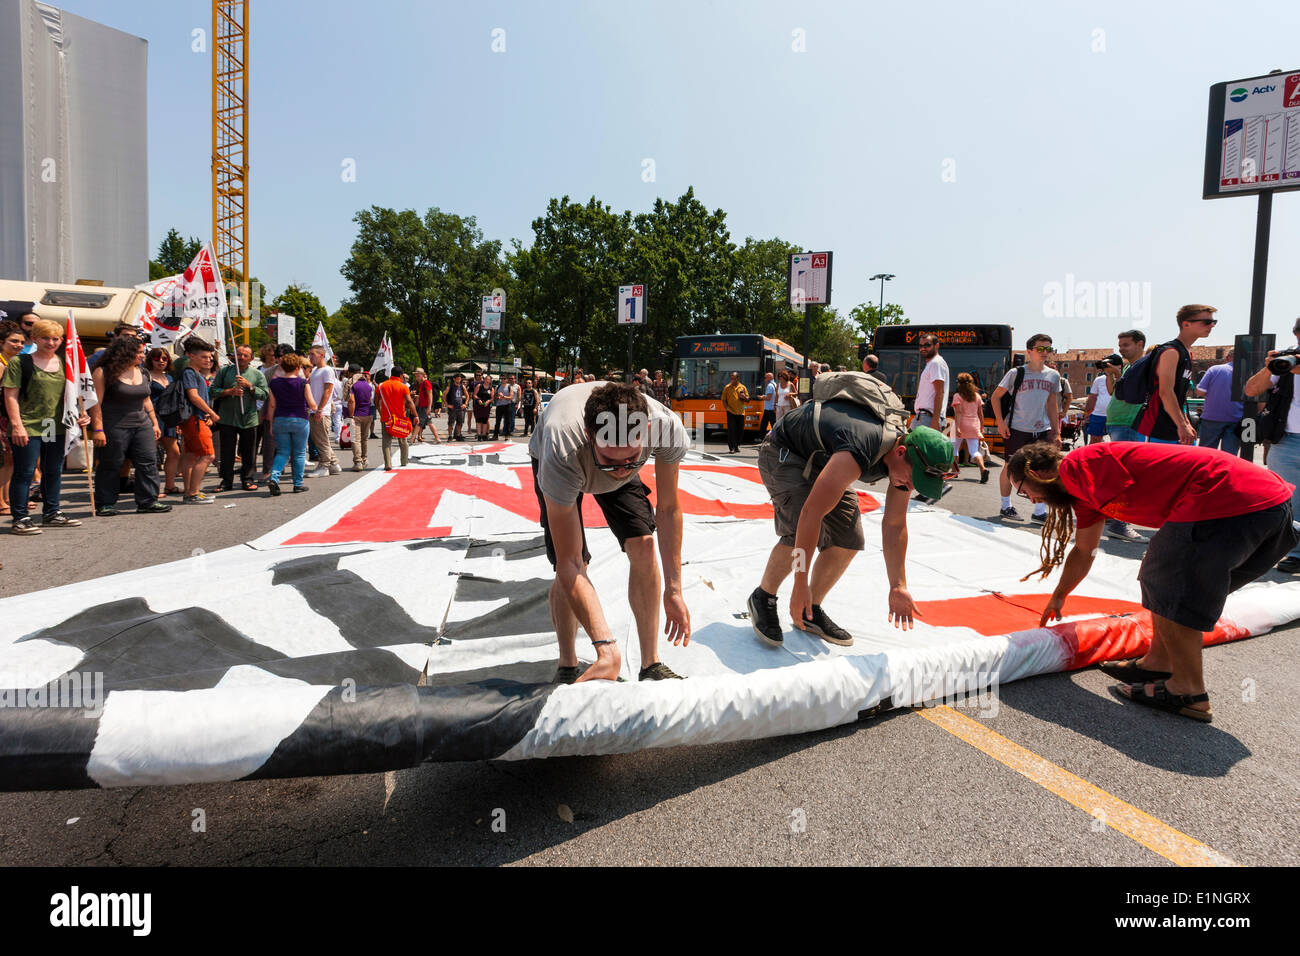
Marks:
<point>490,314</point>
<point>631,305</point>
<point>1252,140</point>
<point>809,281</point>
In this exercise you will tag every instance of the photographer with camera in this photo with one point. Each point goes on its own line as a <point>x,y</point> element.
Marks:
<point>1094,412</point>
<point>1279,422</point>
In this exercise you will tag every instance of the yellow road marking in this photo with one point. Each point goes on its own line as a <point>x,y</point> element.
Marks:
<point>1153,834</point>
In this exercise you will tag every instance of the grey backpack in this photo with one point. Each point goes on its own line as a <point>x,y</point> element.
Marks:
<point>869,392</point>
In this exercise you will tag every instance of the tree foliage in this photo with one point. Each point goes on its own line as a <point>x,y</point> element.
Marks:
<point>174,255</point>
<point>427,273</point>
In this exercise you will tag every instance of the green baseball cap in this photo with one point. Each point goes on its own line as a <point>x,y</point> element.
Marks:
<point>931,457</point>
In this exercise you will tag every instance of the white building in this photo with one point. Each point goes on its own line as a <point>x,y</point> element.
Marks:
<point>74,200</point>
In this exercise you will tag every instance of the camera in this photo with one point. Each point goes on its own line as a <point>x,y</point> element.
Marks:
<point>1114,360</point>
<point>1284,361</point>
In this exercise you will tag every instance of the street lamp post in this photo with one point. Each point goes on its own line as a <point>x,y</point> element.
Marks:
<point>883,277</point>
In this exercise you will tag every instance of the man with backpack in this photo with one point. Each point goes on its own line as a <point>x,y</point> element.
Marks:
<point>1026,404</point>
<point>1279,424</point>
<point>1159,381</point>
<point>854,429</point>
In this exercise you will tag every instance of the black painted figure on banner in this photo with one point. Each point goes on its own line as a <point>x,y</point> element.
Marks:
<point>593,439</point>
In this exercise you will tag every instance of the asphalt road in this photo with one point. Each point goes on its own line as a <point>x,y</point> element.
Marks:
<point>897,789</point>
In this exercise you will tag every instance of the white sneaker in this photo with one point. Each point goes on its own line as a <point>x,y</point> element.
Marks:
<point>321,472</point>
<point>335,470</point>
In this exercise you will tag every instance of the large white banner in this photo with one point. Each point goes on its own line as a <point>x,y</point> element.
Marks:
<point>194,301</point>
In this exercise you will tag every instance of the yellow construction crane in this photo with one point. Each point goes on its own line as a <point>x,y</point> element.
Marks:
<point>230,146</point>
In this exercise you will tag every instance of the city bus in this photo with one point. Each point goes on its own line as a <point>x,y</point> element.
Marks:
<point>703,365</point>
<point>985,351</point>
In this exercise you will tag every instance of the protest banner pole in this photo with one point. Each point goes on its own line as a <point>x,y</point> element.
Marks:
<point>90,455</point>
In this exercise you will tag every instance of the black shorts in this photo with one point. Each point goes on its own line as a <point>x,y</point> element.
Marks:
<point>1191,567</point>
<point>423,412</point>
<point>627,510</point>
<point>1019,440</point>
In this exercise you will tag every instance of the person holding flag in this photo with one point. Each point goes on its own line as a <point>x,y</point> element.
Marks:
<point>41,403</point>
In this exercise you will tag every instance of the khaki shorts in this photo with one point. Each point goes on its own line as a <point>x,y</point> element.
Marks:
<point>784,480</point>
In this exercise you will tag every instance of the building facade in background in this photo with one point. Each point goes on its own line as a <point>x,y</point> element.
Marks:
<point>74,201</point>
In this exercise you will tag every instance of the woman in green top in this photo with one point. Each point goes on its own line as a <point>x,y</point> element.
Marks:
<point>36,429</point>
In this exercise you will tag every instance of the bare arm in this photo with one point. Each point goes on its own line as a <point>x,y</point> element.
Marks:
<point>1077,565</point>
<point>835,479</point>
<point>1166,370</point>
<point>97,411</point>
<point>893,541</point>
<point>1092,403</point>
<point>668,522</point>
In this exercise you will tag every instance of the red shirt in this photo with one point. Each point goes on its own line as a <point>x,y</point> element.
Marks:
<point>425,394</point>
<point>392,399</point>
<point>1150,484</point>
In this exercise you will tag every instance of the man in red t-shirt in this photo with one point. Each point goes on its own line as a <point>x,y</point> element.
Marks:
<point>1223,522</point>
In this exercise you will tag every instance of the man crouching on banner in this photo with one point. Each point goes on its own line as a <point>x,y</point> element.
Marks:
<point>851,431</point>
<point>1223,522</point>
<point>592,440</point>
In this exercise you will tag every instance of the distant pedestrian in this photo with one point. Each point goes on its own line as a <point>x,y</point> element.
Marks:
<point>239,388</point>
<point>396,409</point>
<point>734,397</point>
<point>362,412</point>
<point>457,400</point>
<point>289,405</point>
<point>769,404</point>
<point>197,419</point>
<point>125,428</point>
<point>932,389</point>
<point>323,383</point>
<point>1220,416</point>
<point>482,398</point>
<point>968,410</point>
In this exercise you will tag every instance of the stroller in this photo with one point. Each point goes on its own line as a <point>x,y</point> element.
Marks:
<point>1071,431</point>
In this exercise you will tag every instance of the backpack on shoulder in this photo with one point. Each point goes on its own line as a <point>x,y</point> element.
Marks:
<point>1134,386</point>
<point>172,404</point>
<point>864,390</point>
<point>1008,400</point>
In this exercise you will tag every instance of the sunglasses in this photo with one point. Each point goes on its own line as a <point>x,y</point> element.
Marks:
<point>632,463</point>
<point>1206,321</point>
<point>1044,348</point>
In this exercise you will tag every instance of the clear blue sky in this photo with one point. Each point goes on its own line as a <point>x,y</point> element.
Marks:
<point>1064,160</point>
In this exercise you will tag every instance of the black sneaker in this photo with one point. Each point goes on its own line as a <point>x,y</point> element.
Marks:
<point>658,671</point>
<point>157,508</point>
<point>1289,565</point>
<point>568,675</point>
<point>1009,512</point>
<point>765,619</point>
<point>60,520</point>
<point>299,489</point>
<point>108,512</point>
<point>25,526</point>
<point>826,629</point>
<point>273,487</point>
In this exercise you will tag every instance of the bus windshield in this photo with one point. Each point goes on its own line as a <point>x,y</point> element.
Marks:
<point>903,368</point>
<point>705,377</point>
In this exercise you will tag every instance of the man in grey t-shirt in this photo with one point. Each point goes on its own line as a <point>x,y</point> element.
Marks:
<point>592,440</point>
<point>1035,416</point>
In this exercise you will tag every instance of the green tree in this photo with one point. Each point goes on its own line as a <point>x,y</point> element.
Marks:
<point>301,303</point>
<point>684,255</point>
<point>567,280</point>
<point>758,301</point>
<point>174,255</point>
<point>428,273</point>
<point>868,317</point>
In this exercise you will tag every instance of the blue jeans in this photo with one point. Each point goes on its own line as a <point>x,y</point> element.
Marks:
<point>1284,461</point>
<point>50,455</point>
<point>1125,433</point>
<point>924,419</point>
<point>1219,435</point>
<point>290,442</point>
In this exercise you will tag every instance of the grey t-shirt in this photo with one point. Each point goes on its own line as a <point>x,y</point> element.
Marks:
<point>1030,413</point>
<point>566,466</point>
<point>844,426</point>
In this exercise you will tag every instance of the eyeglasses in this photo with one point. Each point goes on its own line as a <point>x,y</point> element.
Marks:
<point>1020,491</point>
<point>1047,349</point>
<point>1206,321</point>
<point>632,463</point>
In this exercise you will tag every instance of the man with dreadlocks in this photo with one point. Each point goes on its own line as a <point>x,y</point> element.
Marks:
<point>1223,522</point>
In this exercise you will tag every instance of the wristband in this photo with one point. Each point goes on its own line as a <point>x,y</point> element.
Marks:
<point>99,431</point>
<point>598,643</point>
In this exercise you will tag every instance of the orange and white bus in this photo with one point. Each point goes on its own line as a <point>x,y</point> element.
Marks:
<point>703,365</point>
